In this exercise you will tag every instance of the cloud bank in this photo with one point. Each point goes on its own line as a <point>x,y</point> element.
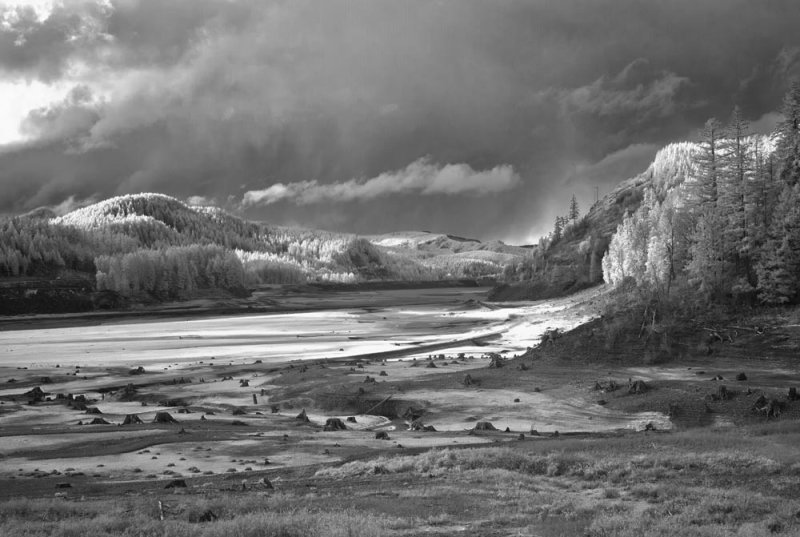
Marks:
<point>219,98</point>
<point>420,177</point>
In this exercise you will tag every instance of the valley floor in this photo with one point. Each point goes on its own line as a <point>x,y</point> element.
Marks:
<point>578,447</point>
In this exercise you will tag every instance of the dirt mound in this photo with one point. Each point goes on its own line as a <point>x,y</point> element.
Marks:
<point>99,421</point>
<point>131,419</point>
<point>497,361</point>
<point>419,426</point>
<point>382,435</point>
<point>638,387</point>
<point>93,410</point>
<point>164,417</point>
<point>484,426</point>
<point>771,408</point>
<point>302,416</point>
<point>36,394</point>
<point>334,424</point>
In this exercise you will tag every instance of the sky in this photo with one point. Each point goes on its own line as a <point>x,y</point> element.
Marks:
<point>473,117</point>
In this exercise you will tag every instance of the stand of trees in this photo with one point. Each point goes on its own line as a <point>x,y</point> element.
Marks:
<point>172,272</point>
<point>732,231</point>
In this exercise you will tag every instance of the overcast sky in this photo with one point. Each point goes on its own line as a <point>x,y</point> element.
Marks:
<point>478,118</point>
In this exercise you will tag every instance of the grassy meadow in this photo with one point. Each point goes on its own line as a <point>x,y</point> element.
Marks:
<point>699,482</point>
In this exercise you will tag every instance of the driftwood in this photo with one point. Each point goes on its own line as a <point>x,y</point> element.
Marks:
<point>379,404</point>
<point>720,335</point>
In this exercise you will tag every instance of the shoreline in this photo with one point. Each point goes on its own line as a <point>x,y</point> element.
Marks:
<point>264,300</point>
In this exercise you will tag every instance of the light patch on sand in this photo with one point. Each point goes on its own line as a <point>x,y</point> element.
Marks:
<point>543,412</point>
<point>58,414</point>
<point>406,439</point>
<point>281,337</point>
<point>165,460</point>
<point>35,442</point>
<point>363,421</point>
<point>271,338</point>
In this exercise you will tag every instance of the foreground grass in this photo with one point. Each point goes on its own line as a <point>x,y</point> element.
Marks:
<point>237,516</point>
<point>693,483</point>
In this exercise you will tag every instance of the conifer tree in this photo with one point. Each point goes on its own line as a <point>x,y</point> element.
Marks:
<point>707,267</point>
<point>763,196</point>
<point>707,251</point>
<point>628,250</point>
<point>788,149</point>
<point>574,212</point>
<point>614,261</point>
<point>779,267</point>
<point>662,246</point>
<point>558,228</point>
<point>735,173</point>
<point>708,164</point>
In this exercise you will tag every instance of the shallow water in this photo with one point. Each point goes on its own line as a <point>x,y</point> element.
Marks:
<point>362,326</point>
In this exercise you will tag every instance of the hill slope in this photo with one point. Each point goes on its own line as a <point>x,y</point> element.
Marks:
<point>573,261</point>
<point>157,246</point>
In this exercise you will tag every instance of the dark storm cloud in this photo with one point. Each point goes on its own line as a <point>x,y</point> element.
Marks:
<point>41,49</point>
<point>637,92</point>
<point>606,173</point>
<point>123,33</point>
<point>218,98</point>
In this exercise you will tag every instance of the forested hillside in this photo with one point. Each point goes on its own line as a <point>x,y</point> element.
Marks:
<point>161,247</point>
<point>730,232</point>
<point>570,257</point>
<point>719,219</point>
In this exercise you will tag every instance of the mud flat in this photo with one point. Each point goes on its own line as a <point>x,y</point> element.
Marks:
<point>267,394</point>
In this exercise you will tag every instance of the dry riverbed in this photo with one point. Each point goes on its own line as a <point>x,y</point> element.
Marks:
<point>235,386</point>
